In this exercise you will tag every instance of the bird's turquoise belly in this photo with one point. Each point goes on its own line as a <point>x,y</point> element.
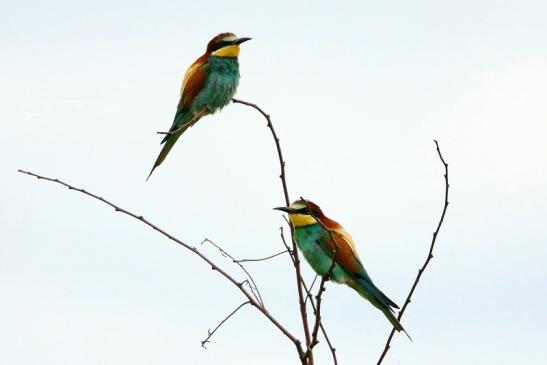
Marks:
<point>307,240</point>
<point>220,86</point>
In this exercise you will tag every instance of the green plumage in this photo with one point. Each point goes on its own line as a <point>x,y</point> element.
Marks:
<point>312,242</point>
<point>220,85</point>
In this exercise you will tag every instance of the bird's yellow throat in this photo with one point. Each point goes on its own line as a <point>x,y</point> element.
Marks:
<point>228,51</point>
<point>301,220</point>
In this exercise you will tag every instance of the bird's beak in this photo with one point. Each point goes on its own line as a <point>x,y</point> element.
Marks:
<point>241,40</point>
<point>285,209</point>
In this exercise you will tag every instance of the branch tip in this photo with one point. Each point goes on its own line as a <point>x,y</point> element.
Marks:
<point>429,256</point>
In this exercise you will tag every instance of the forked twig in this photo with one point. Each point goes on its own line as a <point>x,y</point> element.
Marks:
<point>299,280</point>
<point>253,286</point>
<point>311,288</point>
<point>194,250</point>
<point>211,333</point>
<point>310,297</point>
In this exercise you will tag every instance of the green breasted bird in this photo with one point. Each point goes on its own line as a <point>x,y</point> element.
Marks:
<point>312,236</point>
<point>208,85</point>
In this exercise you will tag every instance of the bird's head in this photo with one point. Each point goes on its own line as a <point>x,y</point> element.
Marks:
<point>225,45</point>
<point>303,213</point>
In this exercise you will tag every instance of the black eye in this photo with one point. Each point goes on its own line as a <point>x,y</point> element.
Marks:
<point>304,211</point>
<point>220,44</point>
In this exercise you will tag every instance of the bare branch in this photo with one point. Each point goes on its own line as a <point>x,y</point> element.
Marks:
<point>331,347</point>
<point>429,254</point>
<point>187,125</point>
<point>324,279</point>
<point>318,301</point>
<point>317,310</point>
<point>285,243</point>
<point>311,288</point>
<point>277,145</point>
<point>310,297</point>
<point>253,286</point>
<point>214,267</point>
<point>299,280</point>
<point>264,258</point>
<point>211,333</point>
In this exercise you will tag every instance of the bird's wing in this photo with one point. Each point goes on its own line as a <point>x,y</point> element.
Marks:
<point>346,256</point>
<point>193,81</point>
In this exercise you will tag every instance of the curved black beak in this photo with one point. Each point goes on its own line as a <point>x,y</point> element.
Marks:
<point>241,40</point>
<point>285,209</point>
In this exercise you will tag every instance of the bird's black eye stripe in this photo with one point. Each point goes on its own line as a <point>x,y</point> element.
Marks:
<point>304,210</point>
<point>221,44</point>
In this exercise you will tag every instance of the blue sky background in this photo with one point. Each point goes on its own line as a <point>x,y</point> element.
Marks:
<point>357,91</point>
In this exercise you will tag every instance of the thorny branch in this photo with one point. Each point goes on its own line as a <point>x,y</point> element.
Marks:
<point>211,333</point>
<point>294,252</point>
<point>194,250</point>
<point>429,255</point>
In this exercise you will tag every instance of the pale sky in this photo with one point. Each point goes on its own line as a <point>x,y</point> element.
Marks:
<point>357,92</point>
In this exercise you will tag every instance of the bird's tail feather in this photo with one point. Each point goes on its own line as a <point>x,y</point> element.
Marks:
<point>384,298</point>
<point>388,312</point>
<point>169,143</point>
<point>177,122</point>
<point>181,118</point>
<point>374,295</point>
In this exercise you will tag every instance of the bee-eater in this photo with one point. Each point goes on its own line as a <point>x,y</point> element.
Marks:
<point>208,85</point>
<point>312,234</point>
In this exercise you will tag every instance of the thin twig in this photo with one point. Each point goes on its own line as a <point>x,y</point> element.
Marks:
<point>324,279</point>
<point>311,288</point>
<point>287,248</point>
<point>187,125</point>
<point>429,254</point>
<point>277,145</point>
<point>318,301</point>
<point>214,267</point>
<point>310,297</point>
<point>264,258</point>
<point>331,347</point>
<point>299,280</point>
<point>211,333</point>
<point>254,287</point>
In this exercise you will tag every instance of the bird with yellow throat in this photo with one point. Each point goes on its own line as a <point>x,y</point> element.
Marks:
<point>329,248</point>
<point>208,85</point>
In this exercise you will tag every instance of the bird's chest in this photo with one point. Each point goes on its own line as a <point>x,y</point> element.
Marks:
<point>221,84</point>
<point>308,241</point>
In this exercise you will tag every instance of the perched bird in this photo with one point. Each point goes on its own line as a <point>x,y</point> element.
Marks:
<point>208,85</point>
<point>312,236</point>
